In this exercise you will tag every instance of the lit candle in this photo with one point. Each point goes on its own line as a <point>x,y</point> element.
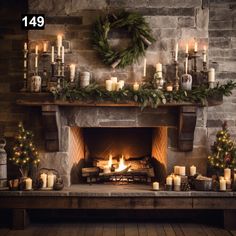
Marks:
<point>195,47</point>
<point>51,178</point>
<point>222,185</point>
<point>169,180</point>
<point>43,176</point>
<point>72,72</point>
<point>59,51</point>
<point>114,83</point>
<point>62,54</point>
<point>186,65</point>
<point>28,184</point>
<point>204,53</point>
<point>211,75</point>
<point>176,51</point>
<point>120,85</point>
<point>25,46</point>
<point>25,63</point>
<point>169,88</point>
<point>144,67</point>
<point>177,183</point>
<point>193,170</point>
<point>136,86</point>
<point>36,61</point>
<point>45,45</point>
<point>227,174</point>
<point>109,85</point>
<point>155,185</point>
<point>228,183</point>
<point>176,170</point>
<point>186,49</point>
<point>36,49</point>
<point>52,54</point>
<point>182,170</point>
<point>158,67</point>
<point>59,41</point>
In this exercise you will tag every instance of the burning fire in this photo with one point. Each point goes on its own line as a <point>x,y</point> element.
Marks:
<point>110,161</point>
<point>122,165</point>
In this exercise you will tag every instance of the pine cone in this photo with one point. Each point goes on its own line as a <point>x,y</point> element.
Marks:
<point>185,187</point>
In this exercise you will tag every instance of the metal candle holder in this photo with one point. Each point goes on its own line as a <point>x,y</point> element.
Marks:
<point>176,82</point>
<point>60,72</point>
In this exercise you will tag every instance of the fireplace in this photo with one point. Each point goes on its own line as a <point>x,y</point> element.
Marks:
<point>120,155</point>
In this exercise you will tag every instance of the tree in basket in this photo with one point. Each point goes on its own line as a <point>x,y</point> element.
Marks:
<point>25,154</point>
<point>223,151</point>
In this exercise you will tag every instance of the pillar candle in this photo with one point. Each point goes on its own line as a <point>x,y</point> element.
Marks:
<point>144,67</point>
<point>155,185</point>
<point>227,174</point>
<point>114,83</point>
<point>62,54</point>
<point>25,46</point>
<point>72,72</point>
<point>43,176</point>
<point>169,88</point>
<point>211,75</point>
<point>28,184</point>
<point>158,67</point>
<point>59,41</point>
<point>52,58</point>
<point>204,53</point>
<point>177,180</point>
<point>45,45</point>
<point>193,170</point>
<point>169,180</point>
<point>182,170</point>
<point>120,85</point>
<point>108,85</point>
<point>51,179</point>
<point>176,170</point>
<point>228,183</point>
<point>25,63</point>
<point>195,47</point>
<point>176,52</point>
<point>136,86</point>
<point>222,185</point>
<point>36,49</point>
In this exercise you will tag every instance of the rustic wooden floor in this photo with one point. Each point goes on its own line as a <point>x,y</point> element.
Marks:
<point>120,229</point>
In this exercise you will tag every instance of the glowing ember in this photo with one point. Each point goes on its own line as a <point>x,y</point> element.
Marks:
<point>110,161</point>
<point>122,165</point>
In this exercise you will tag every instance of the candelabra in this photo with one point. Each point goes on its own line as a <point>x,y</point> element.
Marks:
<point>25,72</point>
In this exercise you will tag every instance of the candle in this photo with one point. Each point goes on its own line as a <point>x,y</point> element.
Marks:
<point>52,58</point>
<point>227,174</point>
<point>36,49</point>
<point>25,63</point>
<point>169,88</point>
<point>186,65</point>
<point>62,54</point>
<point>25,46</point>
<point>109,85</point>
<point>36,61</point>
<point>193,170</point>
<point>120,85</point>
<point>114,83</point>
<point>182,170</point>
<point>222,185</point>
<point>72,72</point>
<point>176,51</point>
<point>43,176</point>
<point>195,47</point>
<point>59,51</point>
<point>28,184</point>
<point>45,45</point>
<point>136,86</point>
<point>169,180</point>
<point>51,178</point>
<point>204,53</point>
<point>228,183</point>
<point>186,49</point>
<point>176,170</point>
<point>144,67</point>
<point>155,185</point>
<point>59,41</point>
<point>177,183</point>
<point>158,67</point>
<point>235,178</point>
<point>211,75</point>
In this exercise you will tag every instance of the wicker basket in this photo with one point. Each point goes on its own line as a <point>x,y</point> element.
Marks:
<point>203,185</point>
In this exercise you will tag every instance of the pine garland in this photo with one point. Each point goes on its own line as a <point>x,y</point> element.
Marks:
<point>145,96</point>
<point>137,28</point>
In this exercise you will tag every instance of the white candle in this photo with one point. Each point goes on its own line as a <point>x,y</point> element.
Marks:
<point>176,170</point>
<point>211,75</point>
<point>186,48</point>
<point>120,85</point>
<point>114,83</point>
<point>169,88</point>
<point>186,65</point>
<point>204,53</point>
<point>36,49</point>
<point>228,183</point>
<point>136,86</point>
<point>195,47</point>
<point>45,45</point>
<point>25,63</point>
<point>28,184</point>
<point>182,170</point>
<point>169,180</point>
<point>59,51</point>
<point>155,185</point>
<point>51,178</point>
<point>62,54</point>
<point>52,58</point>
<point>176,51</point>
<point>222,185</point>
<point>43,176</point>
<point>227,174</point>
<point>25,46</point>
<point>144,67</point>
<point>59,41</point>
<point>72,72</point>
<point>108,85</point>
<point>193,170</point>
<point>36,61</point>
<point>158,67</point>
<point>177,180</point>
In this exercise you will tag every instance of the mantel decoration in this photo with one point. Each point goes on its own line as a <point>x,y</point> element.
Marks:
<point>136,26</point>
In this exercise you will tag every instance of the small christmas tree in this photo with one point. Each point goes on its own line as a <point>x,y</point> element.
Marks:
<point>25,154</point>
<point>223,150</point>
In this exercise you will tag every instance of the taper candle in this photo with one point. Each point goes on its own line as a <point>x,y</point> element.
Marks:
<point>25,46</point>
<point>52,56</point>
<point>144,67</point>
<point>176,51</point>
<point>36,50</point>
<point>45,45</point>
<point>59,41</point>
<point>193,170</point>
<point>62,54</point>
<point>204,53</point>
<point>195,47</point>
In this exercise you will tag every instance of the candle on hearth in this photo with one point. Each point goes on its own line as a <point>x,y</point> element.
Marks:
<point>114,83</point>
<point>36,50</point>
<point>193,170</point>
<point>51,178</point>
<point>227,174</point>
<point>204,53</point>
<point>182,170</point>
<point>28,184</point>
<point>222,185</point>
<point>72,72</point>
<point>62,54</point>
<point>25,46</point>
<point>211,75</point>
<point>52,56</point>
<point>136,86</point>
<point>155,185</point>
<point>176,170</point>
<point>144,67</point>
<point>45,45</point>
<point>169,180</point>
<point>195,46</point>
<point>43,176</point>
<point>59,40</point>
<point>176,51</point>
<point>109,85</point>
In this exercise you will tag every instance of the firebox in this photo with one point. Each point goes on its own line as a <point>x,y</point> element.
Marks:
<point>118,155</point>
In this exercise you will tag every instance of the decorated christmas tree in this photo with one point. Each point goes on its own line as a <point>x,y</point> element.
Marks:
<point>25,154</point>
<point>223,150</point>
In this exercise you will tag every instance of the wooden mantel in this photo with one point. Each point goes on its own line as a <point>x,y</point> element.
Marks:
<point>185,116</point>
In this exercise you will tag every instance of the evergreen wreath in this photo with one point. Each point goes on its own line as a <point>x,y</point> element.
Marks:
<point>137,28</point>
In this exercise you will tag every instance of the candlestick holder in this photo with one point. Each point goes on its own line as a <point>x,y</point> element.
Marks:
<point>60,75</point>
<point>45,77</point>
<point>176,82</point>
<point>25,71</point>
<point>204,74</point>
<point>193,56</point>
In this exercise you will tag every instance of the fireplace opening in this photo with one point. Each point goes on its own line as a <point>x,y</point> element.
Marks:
<point>118,155</point>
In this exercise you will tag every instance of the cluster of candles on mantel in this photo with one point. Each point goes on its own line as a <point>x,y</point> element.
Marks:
<point>226,180</point>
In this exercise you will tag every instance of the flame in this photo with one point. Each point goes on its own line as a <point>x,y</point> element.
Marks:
<point>110,161</point>
<point>122,165</point>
